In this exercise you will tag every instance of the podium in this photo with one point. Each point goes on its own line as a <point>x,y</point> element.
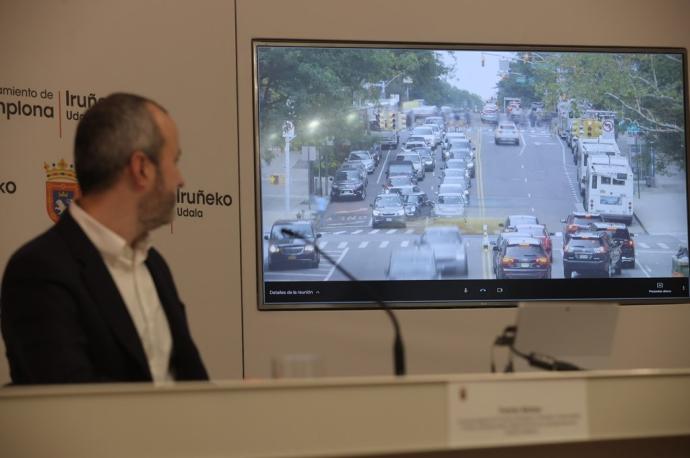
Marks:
<point>631,413</point>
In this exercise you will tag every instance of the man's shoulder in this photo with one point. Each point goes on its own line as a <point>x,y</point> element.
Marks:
<point>47,252</point>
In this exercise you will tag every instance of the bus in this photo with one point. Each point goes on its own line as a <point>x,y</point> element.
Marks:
<point>609,188</point>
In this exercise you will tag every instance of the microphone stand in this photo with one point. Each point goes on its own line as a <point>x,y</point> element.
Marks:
<point>398,346</point>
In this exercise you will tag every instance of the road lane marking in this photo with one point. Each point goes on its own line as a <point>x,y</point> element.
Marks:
<point>643,245</point>
<point>384,244</point>
<point>342,245</point>
<point>378,180</point>
<point>375,231</point>
<point>363,245</point>
<point>391,231</point>
<point>322,245</point>
<point>524,144</point>
<point>409,231</point>
<point>573,192</point>
<point>663,245</point>
<point>357,232</point>
<point>339,233</point>
<point>404,244</point>
<point>337,262</point>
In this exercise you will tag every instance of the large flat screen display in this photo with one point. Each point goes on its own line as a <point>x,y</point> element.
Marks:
<point>465,176</point>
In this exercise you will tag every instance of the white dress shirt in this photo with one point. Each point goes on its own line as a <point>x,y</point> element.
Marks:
<point>133,280</point>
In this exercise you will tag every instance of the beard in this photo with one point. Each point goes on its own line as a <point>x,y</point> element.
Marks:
<point>157,208</point>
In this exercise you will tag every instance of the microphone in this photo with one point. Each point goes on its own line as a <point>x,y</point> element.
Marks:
<point>398,346</point>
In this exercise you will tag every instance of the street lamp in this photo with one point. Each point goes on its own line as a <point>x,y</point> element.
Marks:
<point>288,135</point>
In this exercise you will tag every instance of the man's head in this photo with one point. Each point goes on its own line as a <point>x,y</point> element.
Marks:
<point>130,143</point>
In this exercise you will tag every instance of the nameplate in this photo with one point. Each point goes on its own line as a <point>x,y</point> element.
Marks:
<point>517,412</point>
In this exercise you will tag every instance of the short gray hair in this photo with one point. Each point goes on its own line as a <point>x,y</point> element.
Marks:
<point>110,131</point>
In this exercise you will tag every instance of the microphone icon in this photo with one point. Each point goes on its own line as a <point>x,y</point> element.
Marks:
<point>398,346</point>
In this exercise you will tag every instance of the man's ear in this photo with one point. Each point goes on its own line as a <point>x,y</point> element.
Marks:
<point>141,170</point>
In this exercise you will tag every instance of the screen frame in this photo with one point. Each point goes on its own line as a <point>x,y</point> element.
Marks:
<point>262,305</point>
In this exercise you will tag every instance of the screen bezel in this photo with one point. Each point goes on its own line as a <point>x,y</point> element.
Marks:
<point>490,302</point>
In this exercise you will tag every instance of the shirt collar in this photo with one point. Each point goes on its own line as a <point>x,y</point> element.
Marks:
<point>108,243</point>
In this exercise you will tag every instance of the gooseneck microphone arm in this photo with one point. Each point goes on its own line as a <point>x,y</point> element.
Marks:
<point>398,346</point>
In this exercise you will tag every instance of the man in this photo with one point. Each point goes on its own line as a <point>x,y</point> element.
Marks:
<point>89,300</point>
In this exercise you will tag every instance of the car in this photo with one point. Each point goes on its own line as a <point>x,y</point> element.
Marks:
<point>427,159</point>
<point>388,210</point>
<point>463,181</point>
<point>389,139</point>
<point>348,183</point>
<point>506,132</point>
<point>359,167</point>
<point>521,257</point>
<point>415,141</point>
<point>404,189</point>
<point>449,188</point>
<point>514,220</point>
<point>416,161</point>
<point>428,133</point>
<point>489,113</point>
<point>620,234</point>
<point>591,253</point>
<point>365,158</point>
<point>448,247</point>
<point>412,264</point>
<point>417,204</point>
<point>452,173</point>
<point>537,231</point>
<point>449,205</point>
<point>397,180</point>
<point>285,250</point>
<point>578,221</point>
<point>464,155</point>
<point>401,168</point>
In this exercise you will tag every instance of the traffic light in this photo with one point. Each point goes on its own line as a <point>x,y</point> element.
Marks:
<point>274,179</point>
<point>394,117</point>
<point>592,128</point>
<point>379,121</point>
<point>402,121</point>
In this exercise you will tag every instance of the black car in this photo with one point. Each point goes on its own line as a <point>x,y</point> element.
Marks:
<point>591,253</point>
<point>284,250</point>
<point>621,235</point>
<point>521,257</point>
<point>417,204</point>
<point>348,183</point>
<point>579,221</point>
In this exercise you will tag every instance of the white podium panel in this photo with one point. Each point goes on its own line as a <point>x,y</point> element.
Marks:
<point>411,416</point>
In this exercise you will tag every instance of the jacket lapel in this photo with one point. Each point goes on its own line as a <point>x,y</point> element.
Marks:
<point>103,290</point>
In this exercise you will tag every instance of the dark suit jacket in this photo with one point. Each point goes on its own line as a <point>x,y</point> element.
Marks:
<point>63,319</point>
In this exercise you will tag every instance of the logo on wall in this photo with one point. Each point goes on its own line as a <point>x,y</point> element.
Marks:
<point>61,188</point>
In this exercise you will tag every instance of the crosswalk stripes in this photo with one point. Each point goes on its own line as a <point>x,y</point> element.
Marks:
<point>383,244</point>
<point>391,231</point>
<point>643,245</point>
<point>363,245</point>
<point>663,246</point>
<point>404,244</point>
<point>342,245</point>
<point>322,245</point>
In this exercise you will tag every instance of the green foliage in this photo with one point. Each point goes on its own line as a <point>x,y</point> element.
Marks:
<point>303,84</point>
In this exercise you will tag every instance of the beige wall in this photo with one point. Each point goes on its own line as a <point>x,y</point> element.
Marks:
<point>186,55</point>
<point>181,54</point>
